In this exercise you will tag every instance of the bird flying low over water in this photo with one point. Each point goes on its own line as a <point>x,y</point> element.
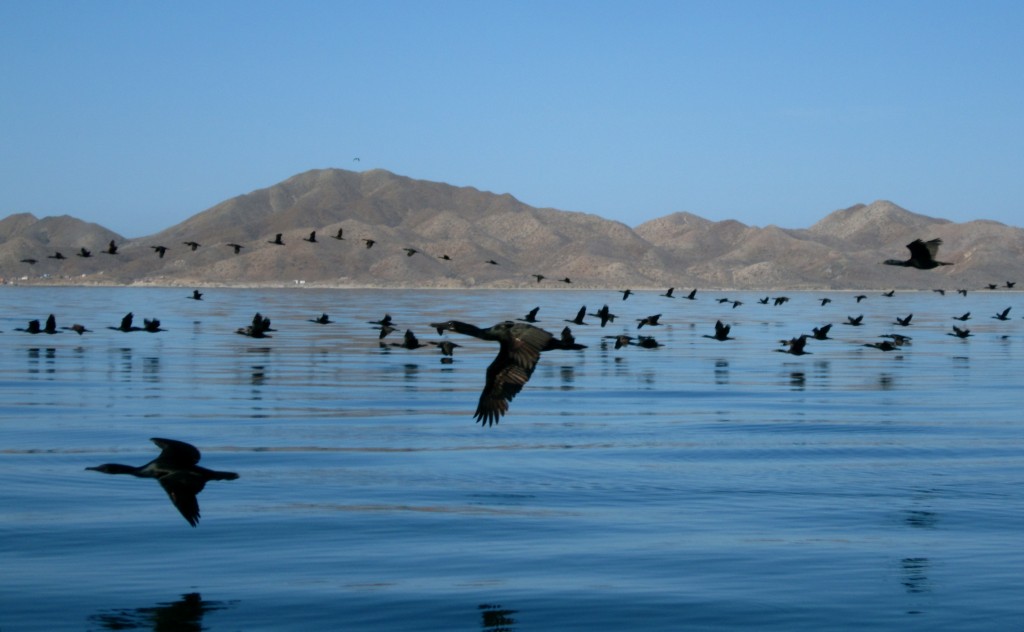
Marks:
<point>322,319</point>
<point>963,317</point>
<point>258,328</point>
<point>78,329</point>
<point>922,255</point>
<point>821,333</point>
<point>651,320</point>
<point>196,295</point>
<point>904,322</point>
<point>960,333</point>
<point>126,324</point>
<point>605,315</point>
<point>580,315</point>
<point>520,347</point>
<point>855,321</point>
<point>721,331</point>
<point>177,471</point>
<point>531,316</point>
<point>1003,315</point>
<point>795,346</point>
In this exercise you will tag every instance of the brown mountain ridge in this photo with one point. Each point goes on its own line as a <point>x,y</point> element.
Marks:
<point>844,250</point>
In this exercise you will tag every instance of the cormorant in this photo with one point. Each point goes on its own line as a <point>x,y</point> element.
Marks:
<point>566,280</point>
<point>111,248</point>
<point>82,252</point>
<point>721,331</point>
<point>648,320</point>
<point>492,262</point>
<point>369,243</point>
<point>825,301</point>
<point>1003,315</point>
<point>568,341</point>
<point>763,301</point>
<point>531,316</point>
<point>196,295</point>
<point>668,292</point>
<point>51,325</point>
<point>78,329</point>
<point>444,257</point>
<point>151,325</point>
<point>904,322</point>
<point>32,328</point>
<point>194,245</point>
<point>963,317</point>
<point>277,240</point>
<point>821,333</point>
<point>31,262</point>
<point>885,345</point>
<point>856,322</point>
<point>579,317</point>
<point>605,315</point>
<point>237,247</point>
<point>889,294</point>
<point>922,255</point>
<point>126,324</point>
<point>539,277</point>
<point>258,329</point>
<point>941,291</point>
<point>341,231</point>
<point>960,333</point>
<point>780,300</point>
<point>692,295</point>
<point>899,339</point>
<point>410,341</point>
<point>177,472</point>
<point>410,251</point>
<point>160,250</point>
<point>962,291</point>
<point>795,346</point>
<point>860,297</point>
<point>56,255</point>
<point>312,237</point>
<point>627,293</point>
<point>322,319</point>
<point>520,347</point>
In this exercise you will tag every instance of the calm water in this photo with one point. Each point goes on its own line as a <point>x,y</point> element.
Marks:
<point>701,485</point>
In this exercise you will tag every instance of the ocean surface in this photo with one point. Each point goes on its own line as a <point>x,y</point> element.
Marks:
<point>702,485</point>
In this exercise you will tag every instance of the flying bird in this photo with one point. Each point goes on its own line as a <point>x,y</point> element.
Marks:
<point>322,319</point>
<point>341,232</point>
<point>520,347</point>
<point>160,250</point>
<point>922,255</point>
<point>56,255</point>
<point>531,316</point>
<point>960,333</point>
<point>369,243</point>
<point>277,240</point>
<point>194,245</point>
<point>312,238</point>
<point>82,252</point>
<point>821,333</point>
<point>648,320</point>
<point>795,346</point>
<point>721,332</point>
<point>1003,315</point>
<point>578,320</point>
<point>237,247</point>
<point>111,248</point>
<point>177,471</point>
<point>258,328</point>
<point>855,321</point>
<point>904,322</point>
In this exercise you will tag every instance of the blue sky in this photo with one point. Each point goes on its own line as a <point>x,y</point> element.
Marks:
<point>137,115</point>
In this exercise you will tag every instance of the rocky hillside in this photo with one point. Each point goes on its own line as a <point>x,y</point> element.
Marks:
<point>456,231</point>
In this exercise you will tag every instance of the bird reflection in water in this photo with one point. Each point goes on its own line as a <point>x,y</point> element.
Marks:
<point>495,618</point>
<point>915,574</point>
<point>184,615</point>
<point>568,375</point>
<point>49,355</point>
<point>797,380</point>
<point>721,372</point>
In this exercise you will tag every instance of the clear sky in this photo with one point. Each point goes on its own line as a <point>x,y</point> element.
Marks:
<point>138,115</point>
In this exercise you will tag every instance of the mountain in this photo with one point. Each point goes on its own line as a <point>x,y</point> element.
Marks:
<point>844,250</point>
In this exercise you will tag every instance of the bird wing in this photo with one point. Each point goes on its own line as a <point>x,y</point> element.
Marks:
<point>922,251</point>
<point>509,371</point>
<point>177,452</point>
<point>182,488</point>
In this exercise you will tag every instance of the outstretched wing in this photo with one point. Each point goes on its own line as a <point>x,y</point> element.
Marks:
<point>510,371</point>
<point>182,488</point>
<point>177,453</point>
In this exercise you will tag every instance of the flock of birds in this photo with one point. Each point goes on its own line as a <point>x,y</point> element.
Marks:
<point>520,345</point>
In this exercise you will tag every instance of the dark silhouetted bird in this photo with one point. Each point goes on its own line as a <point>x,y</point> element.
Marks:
<point>721,331</point>
<point>111,248</point>
<point>410,251</point>
<point>922,255</point>
<point>151,325</point>
<point>605,315</point>
<point>277,240</point>
<point>856,322</point>
<point>82,252</point>
<point>648,320</point>
<point>821,333</point>
<point>177,471</point>
<point>566,280</point>
<point>860,297</point>
<point>963,317</point>
<point>30,261</point>
<point>580,315</point>
<point>539,277</point>
<point>962,292</point>
<point>56,255</point>
<point>312,237</point>
<point>492,262</point>
<point>78,329</point>
<point>884,345</point>
<point>126,324</point>
<point>904,322</point>
<point>668,293</point>
<point>692,295</point>
<point>520,347</point>
<point>444,257</point>
<point>410,341</point>
<point>160,250</point>
<point>257,329</point>
<point>322,319</point>
<point>531,316</point>
<point>51,325</point>
<point>340,235</point>
<point>647,342</point>
<point>33,327</point>
<point>825,301</point>
<point>960,333</point>
<point>889,294</point>
<point>899,339</point>
<point>940,291</point>
<point>196,295</point>
<point>237,247</point>
<point>795,346</point>
<point>1003,315</point>
<point>193,245</point>
<point>764,301</point>
<point>369,243</point>
<point>627,293</point>
<point>568,341</point>
<point>780,300</point>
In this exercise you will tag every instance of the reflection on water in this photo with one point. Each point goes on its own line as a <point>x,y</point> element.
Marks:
<point>184,615</point>
<point>496,619</point>
<point>915,574</point>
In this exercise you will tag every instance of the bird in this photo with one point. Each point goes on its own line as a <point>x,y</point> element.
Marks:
<point>339,236</point>
<point>904,322</point>
<point>692,295</point>
<point>568,341</point>
<point>160,250</point>
<point>237,247</point>
<point>196,295</point>
<point>410,341</point>
<point>763,301</point>
<point>1010,284</point>
<point>277,240</point>
<point>963,317</point>
<point>531,316</point>
<point>825,301</point>
<point>605,315</point>
<point>941,291</point>
<point>962,292</point>
<point>721,332</point>
<point>78,329</point>
<point>126,324</point>
<point>780,300</point>
<point>194,245</point>
<point>322,319</point>
<point>648,320</point>
<point>960,333</point>
<point>410,251</point>
<point>578,320</point>
<point>992,286</point>
<point>51,325</point>
<point>860,297</point>
<point>668,292</point>
<point>56,255</point>
<point>30,261</point>
<point>84,253</point>
<point>520,347</point>
<point>447,348</point>
<point>922,255</point>
<point>647,342</point>
<point>795,346</point>
<point>383,321</point>
<point>539,277</point>
<point>566,280</point>
<point>855,321</point>
<point>492,262</point>
<point>1003,315</point>
<point>111,248</point>
<point>889,294</point>
<point>899,339</point>
<point>444,257</point>
<point>621,340</point>
<point>312,237</point>
<point>33,327</point>
<point>884,345</point>
<point>369,243</point>
<point>151,325</point>
<point>821,333</point>
<point>177,471</point>
<point>257,329</point>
